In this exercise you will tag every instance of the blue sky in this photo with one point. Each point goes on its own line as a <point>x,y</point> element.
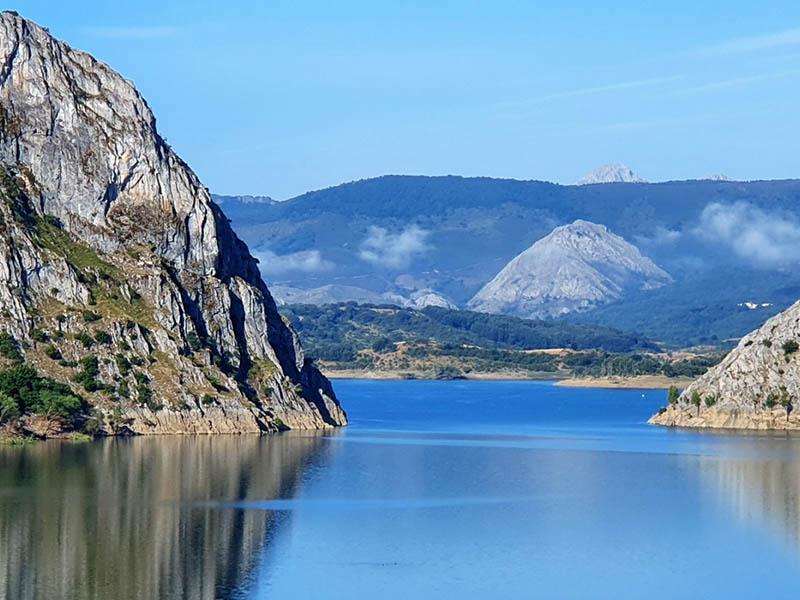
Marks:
<point>281,97</point>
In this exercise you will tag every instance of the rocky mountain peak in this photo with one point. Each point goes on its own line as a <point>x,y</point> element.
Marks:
<point>107,233</point>
<point>610,174</point>
<point>574,268</point>
<point>580,232</point>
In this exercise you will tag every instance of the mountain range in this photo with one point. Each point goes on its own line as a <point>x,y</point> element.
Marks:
<point>400,234</point>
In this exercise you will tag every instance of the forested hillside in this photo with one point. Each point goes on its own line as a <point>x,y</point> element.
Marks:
<point>436,342</point>
<point>452,235</point>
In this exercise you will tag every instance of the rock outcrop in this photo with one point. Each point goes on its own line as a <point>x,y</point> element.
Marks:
<point>334,294</point>
<point>756,386</point>
<point>426,297</point>
<point>118,273</point>
<point>610,174</point>
<point>247,200</point>
<point>574,268</point>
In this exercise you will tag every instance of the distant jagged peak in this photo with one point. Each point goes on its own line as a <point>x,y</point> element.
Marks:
<point>244,199</point>
<point>615,173</point>
<point>580,227</point>
<point>717,177</point>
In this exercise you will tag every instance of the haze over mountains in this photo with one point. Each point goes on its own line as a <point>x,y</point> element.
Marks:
<point>723,242</point>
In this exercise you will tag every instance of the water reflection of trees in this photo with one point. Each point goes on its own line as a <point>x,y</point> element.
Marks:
<point>140,518</point>
<point>765,492</point>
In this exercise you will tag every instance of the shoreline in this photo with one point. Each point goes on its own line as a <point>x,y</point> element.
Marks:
<point>653,382</point>
<point>644,382</point>
<point>421,376</point>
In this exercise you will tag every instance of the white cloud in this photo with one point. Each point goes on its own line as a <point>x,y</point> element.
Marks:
<point>765,238</point>
<point>661,236</point>
<point>778,39</point>
<point>736,81</point>
<point>140,33</point>
<point>592,90</point>
<point>395,250</point>
<point>307,261</point>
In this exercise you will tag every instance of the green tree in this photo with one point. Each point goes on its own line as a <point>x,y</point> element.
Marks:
<point>87,376</point>
<point>772,400</point>
<point>697,400</point>
<point>55,404</point>
<point>53,353</point>
<point>9,347</point>
<point>38,335</point>
<point>123,364</point>
<point>673,395</point>
<point>9,408</point>
<point>85,339</point>
<point>90,316</point>
<point>383,344</point>
<point>102,337</point>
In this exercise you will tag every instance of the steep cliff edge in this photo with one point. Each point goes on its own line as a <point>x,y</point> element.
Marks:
<point>757,386</point>
<point>118,274</point>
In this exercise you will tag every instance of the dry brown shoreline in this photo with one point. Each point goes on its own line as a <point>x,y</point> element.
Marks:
<point>648,382</point>
<point>400,375</point>
<point>639,382</point>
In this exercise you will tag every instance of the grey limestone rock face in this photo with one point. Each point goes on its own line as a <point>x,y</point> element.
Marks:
<point>756,386</point>
<point>574,268</point>
<point>100,214</point>
<point>610,174</point>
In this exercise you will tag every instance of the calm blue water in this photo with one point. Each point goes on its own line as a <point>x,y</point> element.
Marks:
<point>436,490</point>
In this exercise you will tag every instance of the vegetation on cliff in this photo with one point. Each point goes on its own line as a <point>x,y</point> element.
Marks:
<point>126,294</point>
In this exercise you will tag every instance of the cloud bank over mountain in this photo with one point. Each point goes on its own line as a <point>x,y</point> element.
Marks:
<point>763,237</point>
<point>394,250</point>
<point>306,261</point>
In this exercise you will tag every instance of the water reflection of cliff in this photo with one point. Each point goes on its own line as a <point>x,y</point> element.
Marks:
<point>763,490</point>
<point>138,518</point>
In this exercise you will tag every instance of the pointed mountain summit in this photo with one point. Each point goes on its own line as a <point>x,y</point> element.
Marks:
<point>574,268</point>
<point>611,174</point>
<point>122,281</point>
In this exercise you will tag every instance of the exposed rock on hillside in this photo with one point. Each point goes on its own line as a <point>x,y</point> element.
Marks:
<point>611,174</point>
<point>757,386</point>
<point>426,297</point>
<point>119,275</point>
<point>248,200</point>
<point>333,294</point>
<point>574,268</point>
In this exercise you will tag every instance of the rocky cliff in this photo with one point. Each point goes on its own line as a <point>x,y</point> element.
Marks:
<point>610,174</point>
<point>119,276</point>
<point>757,386</point>
<point>574,268</point>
